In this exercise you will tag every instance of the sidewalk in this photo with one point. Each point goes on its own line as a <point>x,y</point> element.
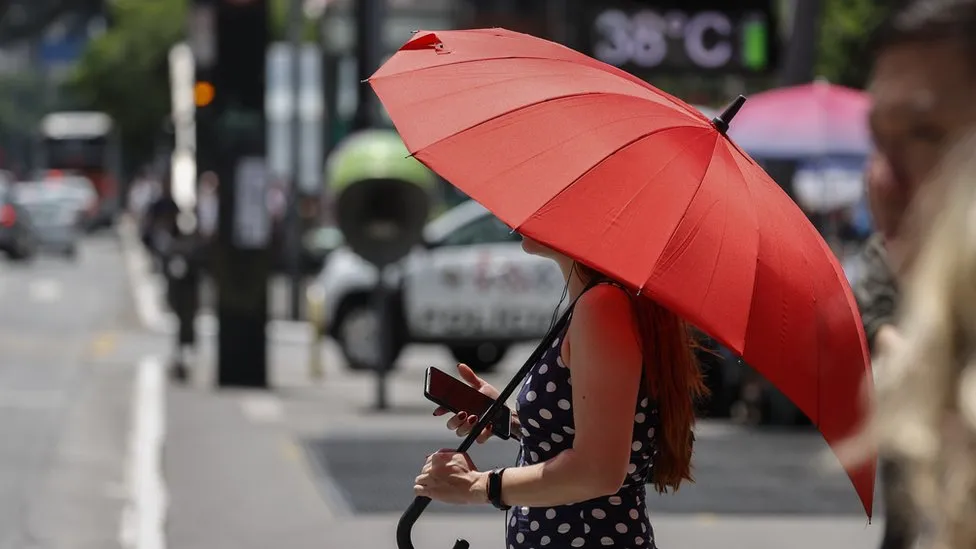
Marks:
<point>237,471</point>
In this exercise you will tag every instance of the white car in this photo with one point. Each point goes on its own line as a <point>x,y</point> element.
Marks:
<point>469,287</point>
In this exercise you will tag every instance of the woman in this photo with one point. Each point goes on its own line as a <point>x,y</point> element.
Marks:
<point>608,407</point>
<point>925,417</point>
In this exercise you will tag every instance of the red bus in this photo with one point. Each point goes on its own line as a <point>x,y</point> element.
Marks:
<point>86,144</point>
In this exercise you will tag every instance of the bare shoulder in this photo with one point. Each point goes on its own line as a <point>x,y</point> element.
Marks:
<point>605,302</point>
<point>603,322</point>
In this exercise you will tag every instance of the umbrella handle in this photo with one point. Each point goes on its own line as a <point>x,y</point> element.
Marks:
<point>420,503</point>
<point>408,519</point>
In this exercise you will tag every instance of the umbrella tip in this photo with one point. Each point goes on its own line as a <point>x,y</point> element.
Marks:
<point>723,120</point>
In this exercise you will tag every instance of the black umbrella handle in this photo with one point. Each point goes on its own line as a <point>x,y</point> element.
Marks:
<point>420,503</point>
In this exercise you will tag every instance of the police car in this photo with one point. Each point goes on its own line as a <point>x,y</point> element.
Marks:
<point>469,287</point>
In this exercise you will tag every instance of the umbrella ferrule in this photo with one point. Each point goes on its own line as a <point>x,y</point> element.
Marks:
<point>723,120</point>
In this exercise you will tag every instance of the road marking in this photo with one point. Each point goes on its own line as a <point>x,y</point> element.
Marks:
<point>706,518</point>
<point>45,290</point>
<point>261,408</point>
<point>103,345</point>
<point>143,518</point>
<point>140,281</point>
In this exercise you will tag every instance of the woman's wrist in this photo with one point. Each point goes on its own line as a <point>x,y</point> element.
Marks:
<point>479,487</point>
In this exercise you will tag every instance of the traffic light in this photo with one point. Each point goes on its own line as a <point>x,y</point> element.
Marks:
<point>203,94</point>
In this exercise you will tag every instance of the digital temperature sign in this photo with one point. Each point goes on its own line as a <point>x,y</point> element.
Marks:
<point>709,36</point>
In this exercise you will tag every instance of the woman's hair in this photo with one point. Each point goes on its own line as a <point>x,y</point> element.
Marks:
<point>674,381</point>
<point>925,410</point>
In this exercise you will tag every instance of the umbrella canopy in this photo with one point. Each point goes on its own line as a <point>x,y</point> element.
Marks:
<point>638,184</point>
<point>811,120</point>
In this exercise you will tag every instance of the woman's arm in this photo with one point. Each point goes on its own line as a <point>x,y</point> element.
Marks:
<point>606,368</point>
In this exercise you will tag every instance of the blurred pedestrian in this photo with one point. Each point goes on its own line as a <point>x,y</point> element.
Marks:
<point>925,417</point>
<point>143,191</point>
<point>922,86</point>
<point>609,407</point>
<point>177,255</point>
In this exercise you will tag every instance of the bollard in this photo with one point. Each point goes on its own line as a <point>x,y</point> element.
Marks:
<point>316,318</point>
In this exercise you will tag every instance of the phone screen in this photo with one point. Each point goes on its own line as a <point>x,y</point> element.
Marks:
<point>457,396</point>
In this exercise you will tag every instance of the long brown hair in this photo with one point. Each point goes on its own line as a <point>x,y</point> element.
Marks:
<point>674,381</point>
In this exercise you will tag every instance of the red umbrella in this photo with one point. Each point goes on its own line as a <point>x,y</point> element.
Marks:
<point>627,179</point>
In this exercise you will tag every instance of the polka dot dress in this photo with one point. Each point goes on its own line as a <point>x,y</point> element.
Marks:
<point>545,410</point>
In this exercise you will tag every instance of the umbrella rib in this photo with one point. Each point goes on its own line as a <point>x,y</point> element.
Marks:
<point>542,102</point>
<point>606,69</point>
<point>755,215</point>
<point>674,231</point>
<point>598,164</point>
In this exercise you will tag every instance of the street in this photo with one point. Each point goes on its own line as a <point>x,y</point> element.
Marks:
<point>65,390</point>
<point>309,464</point>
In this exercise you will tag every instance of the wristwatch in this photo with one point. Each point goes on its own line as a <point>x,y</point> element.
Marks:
<point>495,489</point>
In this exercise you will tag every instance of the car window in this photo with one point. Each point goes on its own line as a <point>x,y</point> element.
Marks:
<point>487,229</point>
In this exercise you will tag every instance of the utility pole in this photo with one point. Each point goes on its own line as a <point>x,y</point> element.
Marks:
<point>370,17</point>
<point>293,229</point>
<point>233,125</point>
<point>798,67</point>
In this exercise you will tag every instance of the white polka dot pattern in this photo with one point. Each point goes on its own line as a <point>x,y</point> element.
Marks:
<point>545,411</point>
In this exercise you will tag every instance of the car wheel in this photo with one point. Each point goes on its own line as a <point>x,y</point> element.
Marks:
<point>480,357</point>
<point>356,331</point>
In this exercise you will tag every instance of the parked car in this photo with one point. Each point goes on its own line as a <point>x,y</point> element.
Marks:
<point>469,287</point>
<point>17,235</point>
<point>80,193</point>
<point>54,214</point>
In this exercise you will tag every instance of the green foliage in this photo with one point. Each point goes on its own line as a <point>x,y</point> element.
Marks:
<point>125,71</point>
<point>21,102</point>
<point>847,26</point>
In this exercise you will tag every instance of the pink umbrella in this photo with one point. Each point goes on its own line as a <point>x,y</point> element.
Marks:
<point>812,120</point>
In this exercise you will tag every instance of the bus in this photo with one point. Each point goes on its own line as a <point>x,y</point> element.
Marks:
<point>86,144</point>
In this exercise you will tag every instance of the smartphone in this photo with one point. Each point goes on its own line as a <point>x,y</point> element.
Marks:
<point>446,390</point>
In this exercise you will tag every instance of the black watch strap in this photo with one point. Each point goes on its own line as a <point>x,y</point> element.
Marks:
<point>495,489</point>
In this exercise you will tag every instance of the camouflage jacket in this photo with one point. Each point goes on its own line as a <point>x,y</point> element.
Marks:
<point>876,290</point>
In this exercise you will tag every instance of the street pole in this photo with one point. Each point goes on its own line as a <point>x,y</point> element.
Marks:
<point>236,127</point>
<point>798,67</point>
<point>296,21</point>
<point>370,18</point>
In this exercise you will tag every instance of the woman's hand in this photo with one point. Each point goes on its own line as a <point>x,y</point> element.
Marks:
<point>462,423</point>
<point>451,477</point>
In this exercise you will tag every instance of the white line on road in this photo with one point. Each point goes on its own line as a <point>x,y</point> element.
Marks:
<point>261,408</point>
<point>137,265</point>
<point>143,518</point>
<point>45,290</point>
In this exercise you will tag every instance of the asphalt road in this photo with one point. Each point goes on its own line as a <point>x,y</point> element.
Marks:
<point>738,471</point>
<point>64,395</point>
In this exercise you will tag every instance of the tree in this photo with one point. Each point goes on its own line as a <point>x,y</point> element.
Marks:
<point>844,57</point>
<point>125,71</point>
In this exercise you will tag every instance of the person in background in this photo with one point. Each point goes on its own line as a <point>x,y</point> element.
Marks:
<point>208,210</point>
<point>922,87</point>
<point>176,253</point>
<point>925,411</point>
<point>143,192</point>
